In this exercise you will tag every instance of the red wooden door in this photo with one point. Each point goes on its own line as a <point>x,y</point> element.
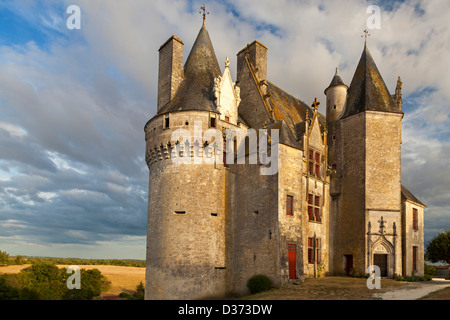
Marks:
<point>292,253</point>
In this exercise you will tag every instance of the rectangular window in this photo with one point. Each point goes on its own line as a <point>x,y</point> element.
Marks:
<point>310,250</point>
<point>310,207</point>
<point>318,251</point>
<point>317,201</point>
<point>415,219</point>
<point>289,204</point>
<point>310,213</point>
<point>314,208</point>
<point>314,250</point>
<point>213,122</point>
<point>166,122</point>
<point>227,119</point>
<point>314,163</point>
<point>180,212</point>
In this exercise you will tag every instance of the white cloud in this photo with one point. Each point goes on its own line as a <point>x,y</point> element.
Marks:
<point>73,111</point>
<point>13,130</point>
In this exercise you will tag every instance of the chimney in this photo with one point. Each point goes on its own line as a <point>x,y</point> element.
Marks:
<point>257,54</point>
<point>170,70</point>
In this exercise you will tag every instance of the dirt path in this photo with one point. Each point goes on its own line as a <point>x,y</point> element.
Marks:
<point>414,290</point>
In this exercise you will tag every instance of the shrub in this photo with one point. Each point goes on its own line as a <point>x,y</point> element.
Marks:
<point>259,283</point>
<point>355,273</point>
<point>412,278</point>
<point>430,270</point>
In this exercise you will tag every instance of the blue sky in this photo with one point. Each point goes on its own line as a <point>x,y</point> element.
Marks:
<point>73,103</point>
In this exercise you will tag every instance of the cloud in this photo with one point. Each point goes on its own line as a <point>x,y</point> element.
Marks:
<point>74,102</point>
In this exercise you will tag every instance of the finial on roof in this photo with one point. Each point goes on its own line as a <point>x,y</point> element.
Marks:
<point>227,62</point>
<point>315,104</point>
<point>203,12</point>
<point>365,35</point>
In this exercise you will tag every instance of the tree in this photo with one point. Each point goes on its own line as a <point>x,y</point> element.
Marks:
<point>438,249</point>
<point>140,291</point>
<point>4,258</point>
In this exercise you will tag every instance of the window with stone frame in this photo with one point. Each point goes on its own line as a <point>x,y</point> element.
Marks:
<point>289,205</point>
<point>166,123</point>
<point>314,250</point>
<point>314,208</point>
<point>415,216</point>
<point>314,163</point>
<point>212,121</point>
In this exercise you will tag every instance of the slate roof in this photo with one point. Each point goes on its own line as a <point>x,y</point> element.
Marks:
<point>336,81</point>
<point>406,194</point>
<point>367,90</point>
<point>286,137</point>
<point>288,108</point>
<point>201,68</point>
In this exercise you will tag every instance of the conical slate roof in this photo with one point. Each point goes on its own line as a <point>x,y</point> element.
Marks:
<point>201,68</point>
<point>367,90</point>
<point>336,81</point>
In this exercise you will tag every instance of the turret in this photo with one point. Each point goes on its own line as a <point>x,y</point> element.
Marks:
<point>336,94</point>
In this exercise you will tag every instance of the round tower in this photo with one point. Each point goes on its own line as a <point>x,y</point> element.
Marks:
<point>186,238</point>
<point>336,94</point>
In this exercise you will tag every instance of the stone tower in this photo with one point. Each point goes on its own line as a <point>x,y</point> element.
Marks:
<point>366,202</point>
<point>186,242</point>
<point>336,94</point>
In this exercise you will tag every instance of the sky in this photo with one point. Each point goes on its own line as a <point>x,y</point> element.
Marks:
<point>74,102</point>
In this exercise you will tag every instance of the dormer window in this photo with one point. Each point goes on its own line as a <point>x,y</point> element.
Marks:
<point>314,163</point>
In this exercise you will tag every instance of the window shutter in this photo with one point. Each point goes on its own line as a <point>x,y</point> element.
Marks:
<point>289,202</point>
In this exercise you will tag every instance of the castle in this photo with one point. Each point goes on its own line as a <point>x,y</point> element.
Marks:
<point>335,205</point>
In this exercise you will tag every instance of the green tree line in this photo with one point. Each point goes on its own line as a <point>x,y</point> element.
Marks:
<point>6,259</point>
<point>45,281</point>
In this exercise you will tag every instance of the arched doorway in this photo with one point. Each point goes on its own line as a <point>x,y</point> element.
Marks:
<point>383,257</point>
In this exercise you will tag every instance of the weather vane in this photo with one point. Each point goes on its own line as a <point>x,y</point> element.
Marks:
<point>366,34</point>
<point>203,12</point>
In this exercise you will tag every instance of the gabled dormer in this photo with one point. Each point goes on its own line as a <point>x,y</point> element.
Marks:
<point>315,144</point>
<point>227,96</point>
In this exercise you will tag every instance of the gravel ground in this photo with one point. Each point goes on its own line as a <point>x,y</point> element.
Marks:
<point>414,290</point>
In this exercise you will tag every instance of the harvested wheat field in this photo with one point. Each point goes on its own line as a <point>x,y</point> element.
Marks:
<point>123,279</point>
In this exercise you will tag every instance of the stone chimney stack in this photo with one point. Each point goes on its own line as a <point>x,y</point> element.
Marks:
<point>170,70</point>
<point>257,54</point>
